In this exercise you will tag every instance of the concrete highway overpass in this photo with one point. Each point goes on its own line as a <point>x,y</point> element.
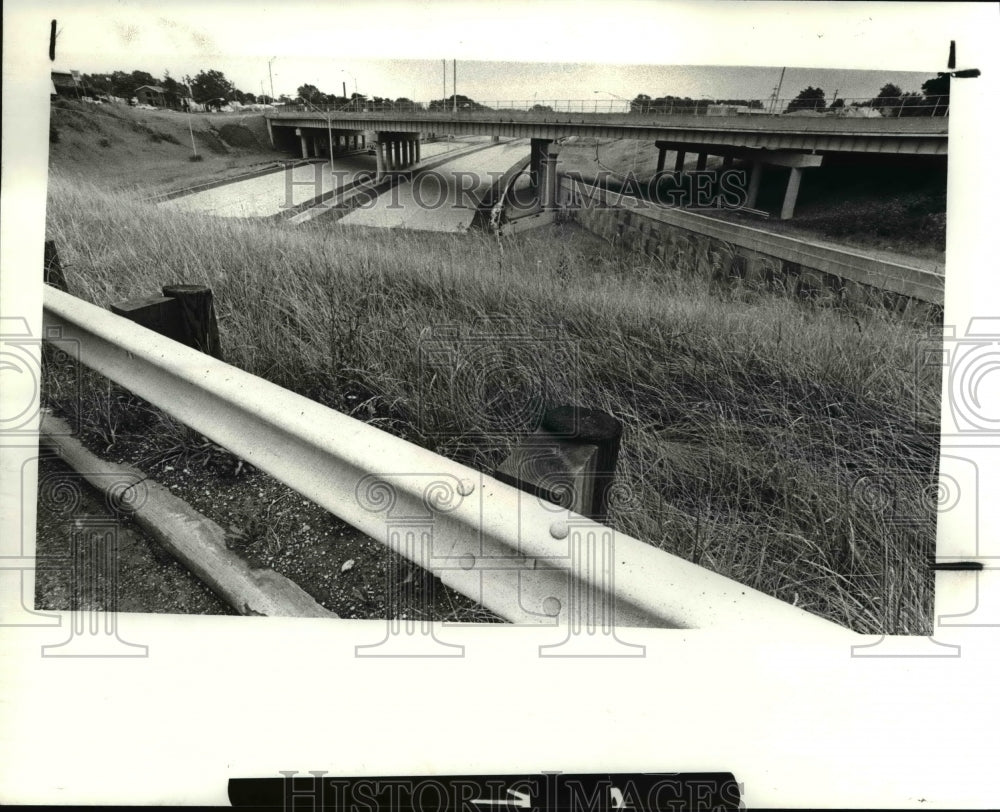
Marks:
<point>796,142</point>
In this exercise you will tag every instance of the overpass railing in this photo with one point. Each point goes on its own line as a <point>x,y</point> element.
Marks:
<point>888,107</point>
<point>525,559</point>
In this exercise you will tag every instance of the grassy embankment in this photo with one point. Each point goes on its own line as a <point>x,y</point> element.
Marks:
<point>762,433</point>
<point>120,147</point>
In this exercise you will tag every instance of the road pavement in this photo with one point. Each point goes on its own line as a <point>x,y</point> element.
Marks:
<point>444,199</point>
<point>270,194</point>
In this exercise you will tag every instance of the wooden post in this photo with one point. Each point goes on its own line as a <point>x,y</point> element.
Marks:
<point>570,460</point>
<point>197,324</point>
<point>53,267</point>
<point>158,313</point>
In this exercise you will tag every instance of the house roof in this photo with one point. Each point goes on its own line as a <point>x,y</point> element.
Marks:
<point>61,79</point>
<point>154,88</point>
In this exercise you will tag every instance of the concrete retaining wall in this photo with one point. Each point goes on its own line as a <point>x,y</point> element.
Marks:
<point>723,250</point>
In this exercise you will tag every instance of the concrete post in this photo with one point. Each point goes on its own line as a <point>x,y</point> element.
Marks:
<point>305,147</point>
<point>396,161</point>
<point>702,160</point>
<point>791,193</point>
<point>679,163</point>
<point>754,188</point>
<point>416,148</point>
<point>379,159</point>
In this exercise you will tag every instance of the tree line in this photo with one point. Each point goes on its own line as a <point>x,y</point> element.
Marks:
<point>204,88</point>
<point>891,100</point>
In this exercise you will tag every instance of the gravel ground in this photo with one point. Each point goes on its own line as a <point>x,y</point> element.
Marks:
<point>148,578</point>
<point>268,524</point>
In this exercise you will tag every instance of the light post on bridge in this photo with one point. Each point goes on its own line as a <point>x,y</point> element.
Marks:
<point>329,126</point>
<point>355,78</point>
<point>627,102</point>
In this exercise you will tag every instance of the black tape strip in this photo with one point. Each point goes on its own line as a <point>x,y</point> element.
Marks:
<point>545,792</point>
<point>972,566</point>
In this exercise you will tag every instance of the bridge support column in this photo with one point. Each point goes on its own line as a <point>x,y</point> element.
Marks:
<point>679,162</point>
<point>661,158</point>
<point>548,189</point>
<point>395,153</point>
<point>539,149</point>
<point>379,159</point>
<point>754,187</point>
<point>791,193</point>
<point>702,160</point>
<point>302,142</point>
<point>416,150</point>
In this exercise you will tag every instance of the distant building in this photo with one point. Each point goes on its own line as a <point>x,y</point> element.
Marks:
<point>63,84</point>
<point>153,95</point>
<point>156,96</point>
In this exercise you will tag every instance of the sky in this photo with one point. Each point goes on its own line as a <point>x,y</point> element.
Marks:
<point>394,50</point>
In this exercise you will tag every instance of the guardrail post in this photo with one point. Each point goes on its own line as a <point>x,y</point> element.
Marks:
<point>184,313</point>
<point>197,323</point>
<point>53,267</point>
<point>569,460</point>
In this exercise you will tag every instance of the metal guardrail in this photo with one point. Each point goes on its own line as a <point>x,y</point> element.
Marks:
<point>890,107</point>
<point>524,559</point>
<point>916,283</point>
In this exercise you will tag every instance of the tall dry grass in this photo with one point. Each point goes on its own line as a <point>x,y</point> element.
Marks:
<point>784,444</point>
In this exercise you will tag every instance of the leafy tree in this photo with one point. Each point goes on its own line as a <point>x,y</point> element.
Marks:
<point>812,98</point>
<point>837,104</point>
<point>212,84</point>
<point>937,92</point>
<point>888,97</point>
<point>459,101</point>
<point>640,103</point>
<point>311,94</point>
<point>541,108</point>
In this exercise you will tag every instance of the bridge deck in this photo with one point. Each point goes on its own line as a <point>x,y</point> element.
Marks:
<point>920,135</point>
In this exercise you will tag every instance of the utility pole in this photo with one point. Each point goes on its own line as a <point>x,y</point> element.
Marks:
<point>454,85</point>
<point>271,76</point>
<point>343,87</point>
<point>444,83</point>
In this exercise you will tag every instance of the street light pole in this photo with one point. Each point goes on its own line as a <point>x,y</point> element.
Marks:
<point>271,76</point>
